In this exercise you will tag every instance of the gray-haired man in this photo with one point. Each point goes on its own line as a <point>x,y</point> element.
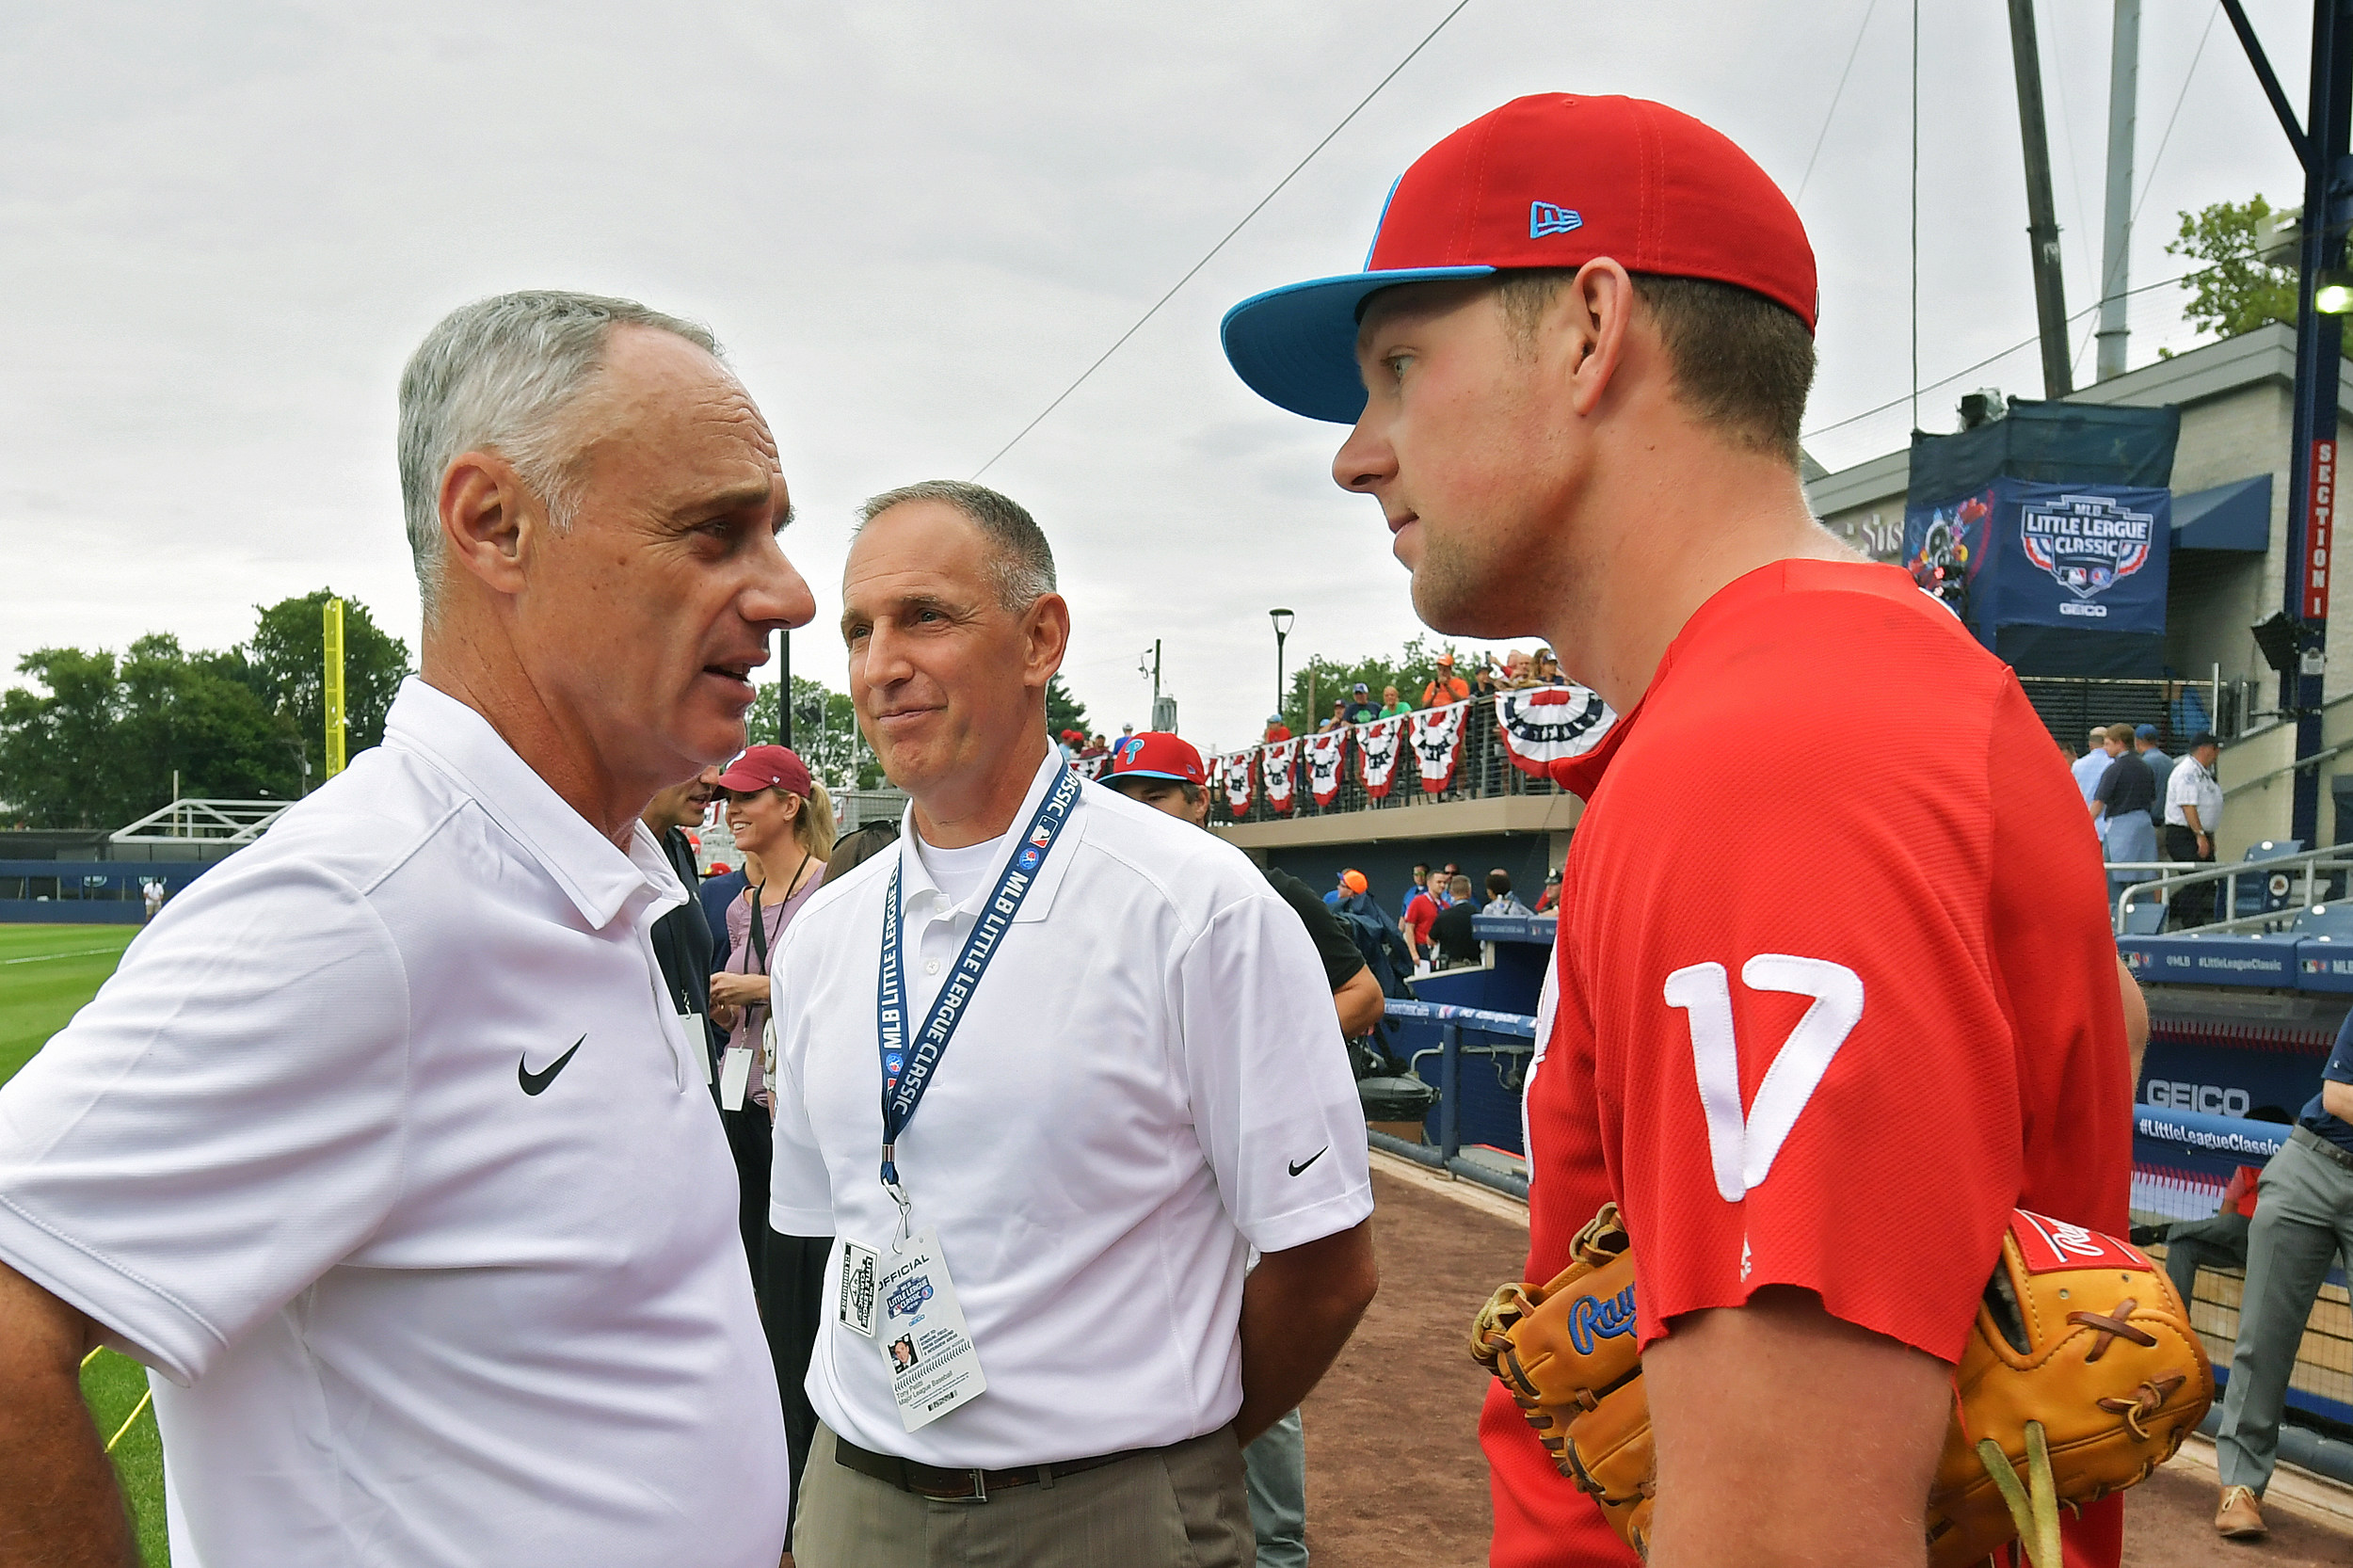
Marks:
<point>386,1146</point>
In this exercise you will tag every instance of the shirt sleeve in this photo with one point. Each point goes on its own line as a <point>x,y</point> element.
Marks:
<point>800,1187</point>
<point>1274,1104</point>
<point>221,1125</point>
<point>1334,948</point>
<point>1816,1089</point>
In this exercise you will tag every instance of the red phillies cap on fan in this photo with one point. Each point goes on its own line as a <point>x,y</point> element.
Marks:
<point>767,768</point>
<point>1550,180</point>
<point>1157,754</point>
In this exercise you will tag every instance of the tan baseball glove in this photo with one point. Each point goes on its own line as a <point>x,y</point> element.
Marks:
<point>2081,1375</point>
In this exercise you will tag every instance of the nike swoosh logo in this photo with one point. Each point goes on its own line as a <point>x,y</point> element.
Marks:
<point>536,1082</point>
<point>1310,1160</point>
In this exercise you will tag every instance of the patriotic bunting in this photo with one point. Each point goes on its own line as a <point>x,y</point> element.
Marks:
<point>1325,753</point>
<point>1277,763</point>
<point>1543,725</point>
<point>1377,746</point>
<point>1091,767</point>
<point>1438,742</point>
<point>1238,781</point>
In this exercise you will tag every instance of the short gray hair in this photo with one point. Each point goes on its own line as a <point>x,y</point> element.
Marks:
<point>1022,564</point>
<point>499,374</point>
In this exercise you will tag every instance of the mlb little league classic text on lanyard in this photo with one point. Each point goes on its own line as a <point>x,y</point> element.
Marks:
<point>905,1075</point>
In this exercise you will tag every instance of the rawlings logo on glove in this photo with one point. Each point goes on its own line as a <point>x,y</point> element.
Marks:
<point>2081,1375</point>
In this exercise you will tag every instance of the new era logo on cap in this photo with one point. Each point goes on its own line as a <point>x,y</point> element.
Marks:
<point>1544,218</point>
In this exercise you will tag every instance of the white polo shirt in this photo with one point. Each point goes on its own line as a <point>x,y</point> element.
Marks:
<point>407,1310</point>
<point>1148,1081</point>
<point>2190,784</point>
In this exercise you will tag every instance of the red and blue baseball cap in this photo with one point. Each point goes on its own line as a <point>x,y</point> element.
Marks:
<point>1553,180</point>
<point>1157,754</point>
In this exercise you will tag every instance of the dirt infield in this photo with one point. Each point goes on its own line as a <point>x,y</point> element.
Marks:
<point>1395,1478</point>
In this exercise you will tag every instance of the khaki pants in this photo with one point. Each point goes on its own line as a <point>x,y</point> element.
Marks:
<point>1184,1507</point>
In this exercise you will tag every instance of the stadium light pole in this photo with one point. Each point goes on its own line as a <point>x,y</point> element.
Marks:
<point>2320,145</point>
<point>1282,619</point>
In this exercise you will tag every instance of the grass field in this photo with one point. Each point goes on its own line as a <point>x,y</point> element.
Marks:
<point>46,973</point>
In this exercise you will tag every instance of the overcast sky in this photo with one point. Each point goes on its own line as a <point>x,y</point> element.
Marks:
<point>911,224</point>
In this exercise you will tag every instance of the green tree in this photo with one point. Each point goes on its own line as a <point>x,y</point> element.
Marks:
<point>103,745</point>
<point>825,734</point>
<point>284,665</point>
<point>1062,711</point>
<point>2236,290</point>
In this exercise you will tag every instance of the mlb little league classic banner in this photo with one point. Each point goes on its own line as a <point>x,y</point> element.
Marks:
<point>2087,558</point>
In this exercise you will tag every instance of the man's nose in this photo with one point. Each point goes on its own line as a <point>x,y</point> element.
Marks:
<point>779,595</point>
<point>1365,461</point>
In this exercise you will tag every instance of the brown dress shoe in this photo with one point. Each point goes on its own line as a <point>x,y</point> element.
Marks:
<point>2239,1518</point>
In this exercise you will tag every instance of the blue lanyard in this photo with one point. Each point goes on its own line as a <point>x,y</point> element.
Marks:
<point>906,1075</point>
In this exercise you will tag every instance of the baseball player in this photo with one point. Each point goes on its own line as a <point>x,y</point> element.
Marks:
<point>1817,1036</point>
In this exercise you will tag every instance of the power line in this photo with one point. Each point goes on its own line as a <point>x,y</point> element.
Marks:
<point>1840,92</point>
<point>2091,309</point>
<point>1221,245</point>
<point>2148,181</point>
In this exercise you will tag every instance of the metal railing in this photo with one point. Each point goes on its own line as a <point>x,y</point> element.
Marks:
<point>235,822</point>
<point>2285,887</point>
<point>1484,770</point>
<point>1452,1022</point>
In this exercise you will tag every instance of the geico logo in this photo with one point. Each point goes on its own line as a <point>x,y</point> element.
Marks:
<point>2207,1100</point>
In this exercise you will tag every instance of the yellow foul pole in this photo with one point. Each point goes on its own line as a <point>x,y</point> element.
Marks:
<point>334,687</point>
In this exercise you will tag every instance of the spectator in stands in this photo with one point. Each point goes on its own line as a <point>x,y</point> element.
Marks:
<point>1548,669</point>
<point>1445,686</point>
<point>2193,814</point>
<point>1360,709</point>
<point>1275,728</point>
<point>1483,682</point>
<point>1413,889</point>
<point>1393,705</point>
<point>2298,1232</point>
<point>1499,898</point>
<point>1519,670</point>
<point>1095,747</point>
<point>1338,717</point>
<point>1421,913</point>
<point>1452,929</point>
<point>2145,743</point>
<point>2093,763</point>
<point>1549,902</point>
<point>2121,804</point>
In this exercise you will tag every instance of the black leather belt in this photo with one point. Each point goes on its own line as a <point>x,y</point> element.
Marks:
<point>2327,1148</point>
<point>964,1487</point>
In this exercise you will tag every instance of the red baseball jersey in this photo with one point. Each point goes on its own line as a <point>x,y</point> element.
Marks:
<point>1825,1015</point>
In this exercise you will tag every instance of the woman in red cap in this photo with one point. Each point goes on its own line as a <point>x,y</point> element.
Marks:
<point>783,824</point>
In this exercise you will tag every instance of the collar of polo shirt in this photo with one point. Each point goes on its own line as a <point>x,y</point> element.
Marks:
<point>594,873</point>
<point>916,882</point>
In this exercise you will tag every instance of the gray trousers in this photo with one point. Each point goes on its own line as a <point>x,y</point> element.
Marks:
<point>2194,1244</point>
<point>1183,1506</point>
<point>1276,1462</point>
<point>2303,1223</point>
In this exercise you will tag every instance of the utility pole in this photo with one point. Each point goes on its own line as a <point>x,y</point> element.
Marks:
<point>331,684</point>
<point>2117,231</point>
<point>784,691</point>
<point>2320,145</point>
<point>2050,291</point>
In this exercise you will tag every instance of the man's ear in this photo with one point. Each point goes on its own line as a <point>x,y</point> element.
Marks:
<point>490,520</point>
<point>1587,330</point>
<point>1046,637</point>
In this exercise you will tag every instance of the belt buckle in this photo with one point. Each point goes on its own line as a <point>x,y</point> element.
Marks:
<point>980,1489</point>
